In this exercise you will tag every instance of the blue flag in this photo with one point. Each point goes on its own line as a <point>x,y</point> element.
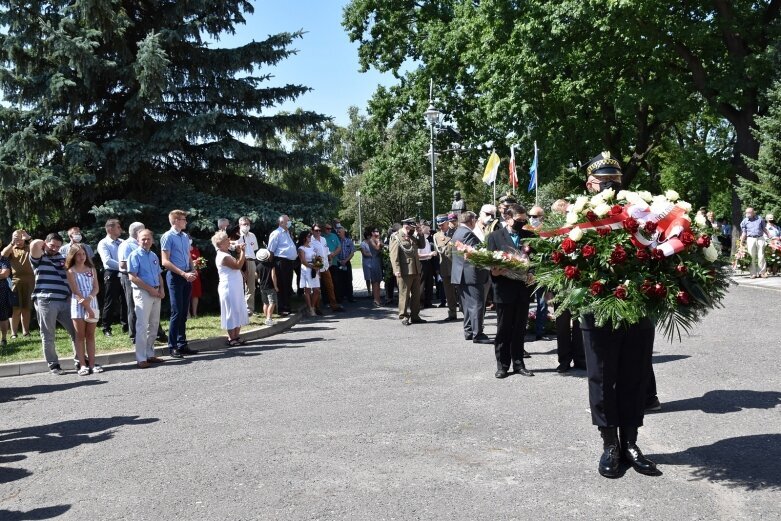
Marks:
<point>533,171</point>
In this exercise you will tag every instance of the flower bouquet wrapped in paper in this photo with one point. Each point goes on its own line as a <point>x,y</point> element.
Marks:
<point>317,265</point>
<point>623,257</point>
<point>200,264</point>
<point>516,262</point>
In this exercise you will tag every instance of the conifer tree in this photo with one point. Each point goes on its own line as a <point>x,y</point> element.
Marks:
<point>765,195</point>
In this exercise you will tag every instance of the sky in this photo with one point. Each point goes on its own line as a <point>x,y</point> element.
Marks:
<point>327,61</point>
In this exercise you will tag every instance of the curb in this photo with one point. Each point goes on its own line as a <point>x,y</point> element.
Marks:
<point>205,345</point>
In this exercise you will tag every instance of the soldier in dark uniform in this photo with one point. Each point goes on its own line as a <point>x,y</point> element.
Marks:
<point>406,267</point>
<point>618,363</point>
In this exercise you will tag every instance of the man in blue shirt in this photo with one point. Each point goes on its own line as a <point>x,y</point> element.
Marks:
<point>113,296</point>
<point>146,278</point>
<point>123,253</point>
<point>175,252</point>
<point>753,230</point>
<point>283,249</point>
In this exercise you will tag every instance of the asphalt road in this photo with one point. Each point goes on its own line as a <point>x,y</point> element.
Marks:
<point>362,418</point>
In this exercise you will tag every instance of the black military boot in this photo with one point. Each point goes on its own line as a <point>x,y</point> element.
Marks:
<point>631,453</point>
<point>610,462</point>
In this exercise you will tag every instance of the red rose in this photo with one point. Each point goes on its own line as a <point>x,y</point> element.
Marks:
<point>604,230</point>
<point>650,227</point>
<point>571,272</point>
<point>657,254</point>
<point>591,216</point>
<point>557,257</point>
<point>683,298</point>
<point>703,241</point>
<point>588,251</point>
<point>596,288</point>
<point>686,237</point>
<point>618,255</point>
<point>642,254</point>
<point>681,269</point>
<point>660,290</point>
<point>647,287</point>
<point>631,224</point>
<point>620,292</point>
<point>568,245</point>
<point>616,210</point>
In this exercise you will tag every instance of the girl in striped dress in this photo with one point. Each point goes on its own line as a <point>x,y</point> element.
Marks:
<point>83,282</point>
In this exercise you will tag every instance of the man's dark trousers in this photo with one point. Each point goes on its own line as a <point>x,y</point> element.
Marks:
<point>179,290</point>
<point>114,296</point>
<point>284,269</point>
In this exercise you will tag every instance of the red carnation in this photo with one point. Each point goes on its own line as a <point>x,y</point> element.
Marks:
<point>571,272</point>
<point>618,255</point>
<point>703,241</point>
<point>650,227</point>
<point>642,254</point>
<point>557,257</point>
<point>568,245</point>
<point>588,251</point>
<point>681,269</point>
<point>591,216</point>
<point>596,288</point>
<point>616,209</point>
<point>683,298</point>
<point>686,237</point>
<point>631,224</point>
<point>657,254</point>
<point>602,231</point>
<point>620,292</point>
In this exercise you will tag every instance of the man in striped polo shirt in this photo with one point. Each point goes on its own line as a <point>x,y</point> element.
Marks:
<point>51,296</point>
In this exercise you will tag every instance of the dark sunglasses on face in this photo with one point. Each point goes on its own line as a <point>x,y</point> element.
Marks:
<point>316,230</point>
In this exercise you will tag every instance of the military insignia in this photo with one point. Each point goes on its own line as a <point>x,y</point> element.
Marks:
<point>606,155</point>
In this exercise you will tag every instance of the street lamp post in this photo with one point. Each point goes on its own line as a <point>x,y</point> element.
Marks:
<point>360,220</point>
<point>432,116</point>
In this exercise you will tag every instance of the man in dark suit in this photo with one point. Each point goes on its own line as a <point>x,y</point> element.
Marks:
<point>511,296</point>
<point>470,280</point>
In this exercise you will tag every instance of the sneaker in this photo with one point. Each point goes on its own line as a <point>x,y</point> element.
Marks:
<point>270,322</point>
<point>84,371</point>
<point>97,369</point>
<point>56,369</point>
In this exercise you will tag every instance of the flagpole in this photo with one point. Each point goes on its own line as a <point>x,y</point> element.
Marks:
<point>537,175</point>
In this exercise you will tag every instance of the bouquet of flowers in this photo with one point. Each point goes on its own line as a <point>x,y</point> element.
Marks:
<point>199,263</point>
<point>773,255</point>
<point>623,257</point>
<point>741,260</point>
<point>317,265</point>
<point>515,262</point>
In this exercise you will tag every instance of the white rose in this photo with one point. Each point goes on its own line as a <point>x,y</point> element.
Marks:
<point>671,195</point>
<point>646,196</point>
<point>622,195</point>
<point>602,210</point>
<point>572,218</point>
<point>597,200</point>
<point>576,234</point>
<point>580,203</point>
<point>711,253</point>
<point>608,193</point>
<point>700,220</point>
<point>635,199</point>
<point>660,207</point>
<point>684,205</point>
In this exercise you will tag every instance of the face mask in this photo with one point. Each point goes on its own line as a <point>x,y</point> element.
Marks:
<point>76,237</point>
<point>518,225</point>
<point>604,185</point>
<point>244,228</point>
<point>535,221</point>
<point>487,219</point>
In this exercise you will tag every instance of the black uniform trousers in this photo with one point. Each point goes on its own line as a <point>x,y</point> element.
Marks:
<point>569,340</point>
<point>113,298</point>
<point>131,305</point>
<point>284,269</point>
<point>511,320</point>
<point>618,365</point>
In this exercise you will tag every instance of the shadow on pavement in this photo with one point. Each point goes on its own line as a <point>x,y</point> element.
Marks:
<point>746,462</point>
<point>36,513</point>
<point>11,394</point>
<point>723,401</point>
<point>308,328</point>
<point>660,359</point>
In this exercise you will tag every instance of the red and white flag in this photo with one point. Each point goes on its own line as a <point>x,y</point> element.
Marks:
<point>513,175</point>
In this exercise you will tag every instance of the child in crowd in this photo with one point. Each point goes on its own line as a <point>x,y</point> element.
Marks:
<point>267,280</point>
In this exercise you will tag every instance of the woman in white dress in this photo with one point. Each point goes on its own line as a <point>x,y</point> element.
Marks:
<point>233,308</point>
<point>310,276</point>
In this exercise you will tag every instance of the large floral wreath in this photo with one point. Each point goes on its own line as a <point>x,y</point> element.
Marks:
<point>626,256</point>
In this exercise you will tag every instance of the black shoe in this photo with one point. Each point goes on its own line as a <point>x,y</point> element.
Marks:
<point>521,370</point>
<point>526,355</point>
<point>418,321</point>
<point>563,368</point>
<point>538,337</point>
<point>653,405</point>
<point>107,332</point>
<point>451,319</point>
<point>340,309</point>
<point>610,462</point>
<point>176,353</point>
<point>405,321</point>
<point>318,312</point>
<point>501,373</point>
<point>632,454</point>
<point>187,351</point>
<point>468,337</point>
<point>579,365</point>
<point>482,338</point>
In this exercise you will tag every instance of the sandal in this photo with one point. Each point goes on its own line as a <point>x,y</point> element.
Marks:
<point>240,340</point>
<point>234,343</point>
<point>96,369</point>
<point>83,371</point>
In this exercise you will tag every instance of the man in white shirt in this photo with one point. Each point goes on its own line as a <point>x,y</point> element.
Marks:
<point>125,249</point>
<point>74,233</point>
<point>108,249</point>
<point>320,245</point>
<point>251,245</point>
<point>283,248</point>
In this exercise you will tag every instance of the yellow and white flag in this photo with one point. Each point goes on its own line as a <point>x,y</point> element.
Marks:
<point>489,176</point>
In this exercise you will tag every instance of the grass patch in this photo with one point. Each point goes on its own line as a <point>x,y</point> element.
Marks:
<point>24,349</point>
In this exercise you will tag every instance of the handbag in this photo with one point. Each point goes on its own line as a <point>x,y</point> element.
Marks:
<point>94,306</point>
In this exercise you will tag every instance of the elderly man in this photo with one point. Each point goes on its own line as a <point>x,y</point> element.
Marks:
<point>74,233</point>
<point>146,278</point>
<point>124,251</point>
<point>51,296</point>
<point>444,247</point>
<point>113,296</point>
<point>223,224</point>
<point>471,281</point>
<point>753,233</point>
<point>175,252</point>
<point>283,249</point>
<point>404,245</point>
<point>251,245</point>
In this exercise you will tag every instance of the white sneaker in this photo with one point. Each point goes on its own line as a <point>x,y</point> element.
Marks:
<point>270,322</point>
